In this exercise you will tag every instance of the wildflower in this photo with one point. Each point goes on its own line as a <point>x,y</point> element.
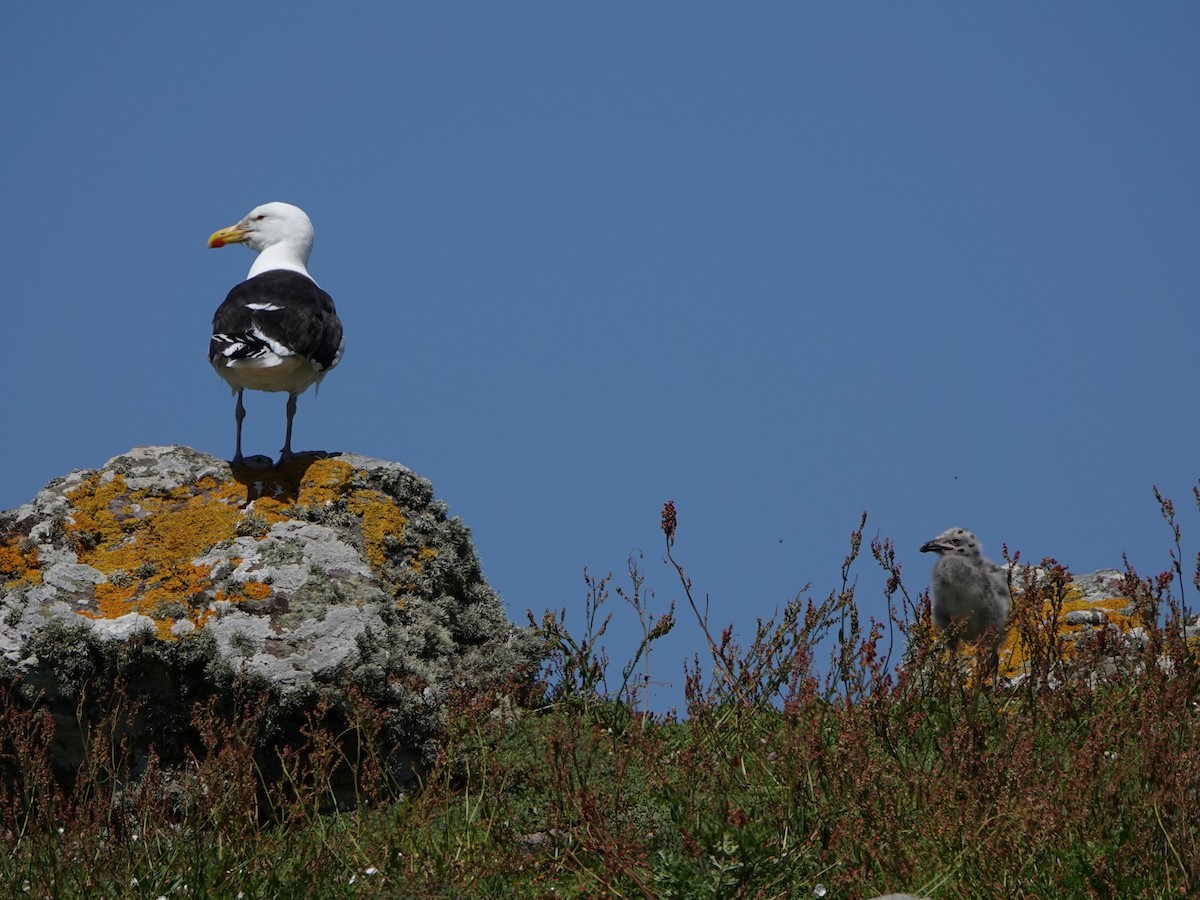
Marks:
<point>820,890</point>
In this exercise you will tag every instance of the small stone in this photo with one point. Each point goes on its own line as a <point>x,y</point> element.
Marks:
<point>1086,617</point>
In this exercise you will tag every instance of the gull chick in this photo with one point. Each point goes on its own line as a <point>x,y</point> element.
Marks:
<point>970,594</point>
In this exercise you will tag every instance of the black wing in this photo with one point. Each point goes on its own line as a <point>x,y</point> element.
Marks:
<point>284,306</point>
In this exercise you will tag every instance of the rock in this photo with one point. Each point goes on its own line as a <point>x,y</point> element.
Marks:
<point>1085,617</point>
<point>544,840</point>
<point>1103,584</point>
<point>170,572</point>
<point>1084,611</point>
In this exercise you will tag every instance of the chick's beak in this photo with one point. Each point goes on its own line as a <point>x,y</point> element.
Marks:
<point>234,234</point>
<point>928,546</point>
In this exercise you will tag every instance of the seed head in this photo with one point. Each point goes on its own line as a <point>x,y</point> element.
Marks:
<point>668,521</point>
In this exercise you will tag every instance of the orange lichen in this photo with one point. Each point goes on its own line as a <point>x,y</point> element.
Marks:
<point>319,484</point>
<point>146,541</point>
<point>326,481</point>
<point>150,539</point>
<point>381,521</point>
<point>423,555</point>
<point>18,565</point>
<point>331,482</point>
<point>162,628</point>
<point>256,590</point>
<point>1015,654</point>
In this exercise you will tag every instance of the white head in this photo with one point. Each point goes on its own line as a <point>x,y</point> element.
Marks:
<point>282,235</point>
<point>954,542</point>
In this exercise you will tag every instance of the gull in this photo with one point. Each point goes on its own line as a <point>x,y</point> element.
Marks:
<point>277,330</point>
<point>971,600</point>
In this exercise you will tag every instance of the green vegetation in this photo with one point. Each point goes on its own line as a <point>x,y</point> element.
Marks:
<point>807,766</point>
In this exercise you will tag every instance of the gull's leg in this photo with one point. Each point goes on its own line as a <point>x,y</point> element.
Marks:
<point>239,413</point>
<point>287,441</point>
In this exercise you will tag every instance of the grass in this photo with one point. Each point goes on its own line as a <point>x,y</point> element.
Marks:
<point>808,765</point>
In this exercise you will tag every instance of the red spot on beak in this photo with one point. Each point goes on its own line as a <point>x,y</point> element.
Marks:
<point>217,243</point>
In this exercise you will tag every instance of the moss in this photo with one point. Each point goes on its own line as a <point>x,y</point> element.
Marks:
<point>253,525</point>
<point>148,687</point>
<point>120,578</point>
<point>243,643</point>
<point>424,555</point>
<point>286,552</point>
<point>73,654</point>
<point>170,610</point>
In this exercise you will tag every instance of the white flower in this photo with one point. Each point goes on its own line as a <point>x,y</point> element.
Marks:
<point>820,890</point>
<point>370,870</point>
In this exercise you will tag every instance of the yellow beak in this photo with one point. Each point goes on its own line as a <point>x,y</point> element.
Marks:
<point>234,234</point>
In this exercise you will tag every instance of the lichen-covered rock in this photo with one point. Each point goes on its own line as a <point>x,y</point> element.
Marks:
<point>325,574</point>
<point>1055,613</point>
<point>1067,609</point>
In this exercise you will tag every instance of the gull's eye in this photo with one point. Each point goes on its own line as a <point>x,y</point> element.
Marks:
<point>259,218</point>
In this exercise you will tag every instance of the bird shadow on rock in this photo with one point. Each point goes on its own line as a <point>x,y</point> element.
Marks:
<point>263,477</point>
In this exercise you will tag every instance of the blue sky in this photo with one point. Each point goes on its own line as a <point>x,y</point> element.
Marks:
<point>780,263</point>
